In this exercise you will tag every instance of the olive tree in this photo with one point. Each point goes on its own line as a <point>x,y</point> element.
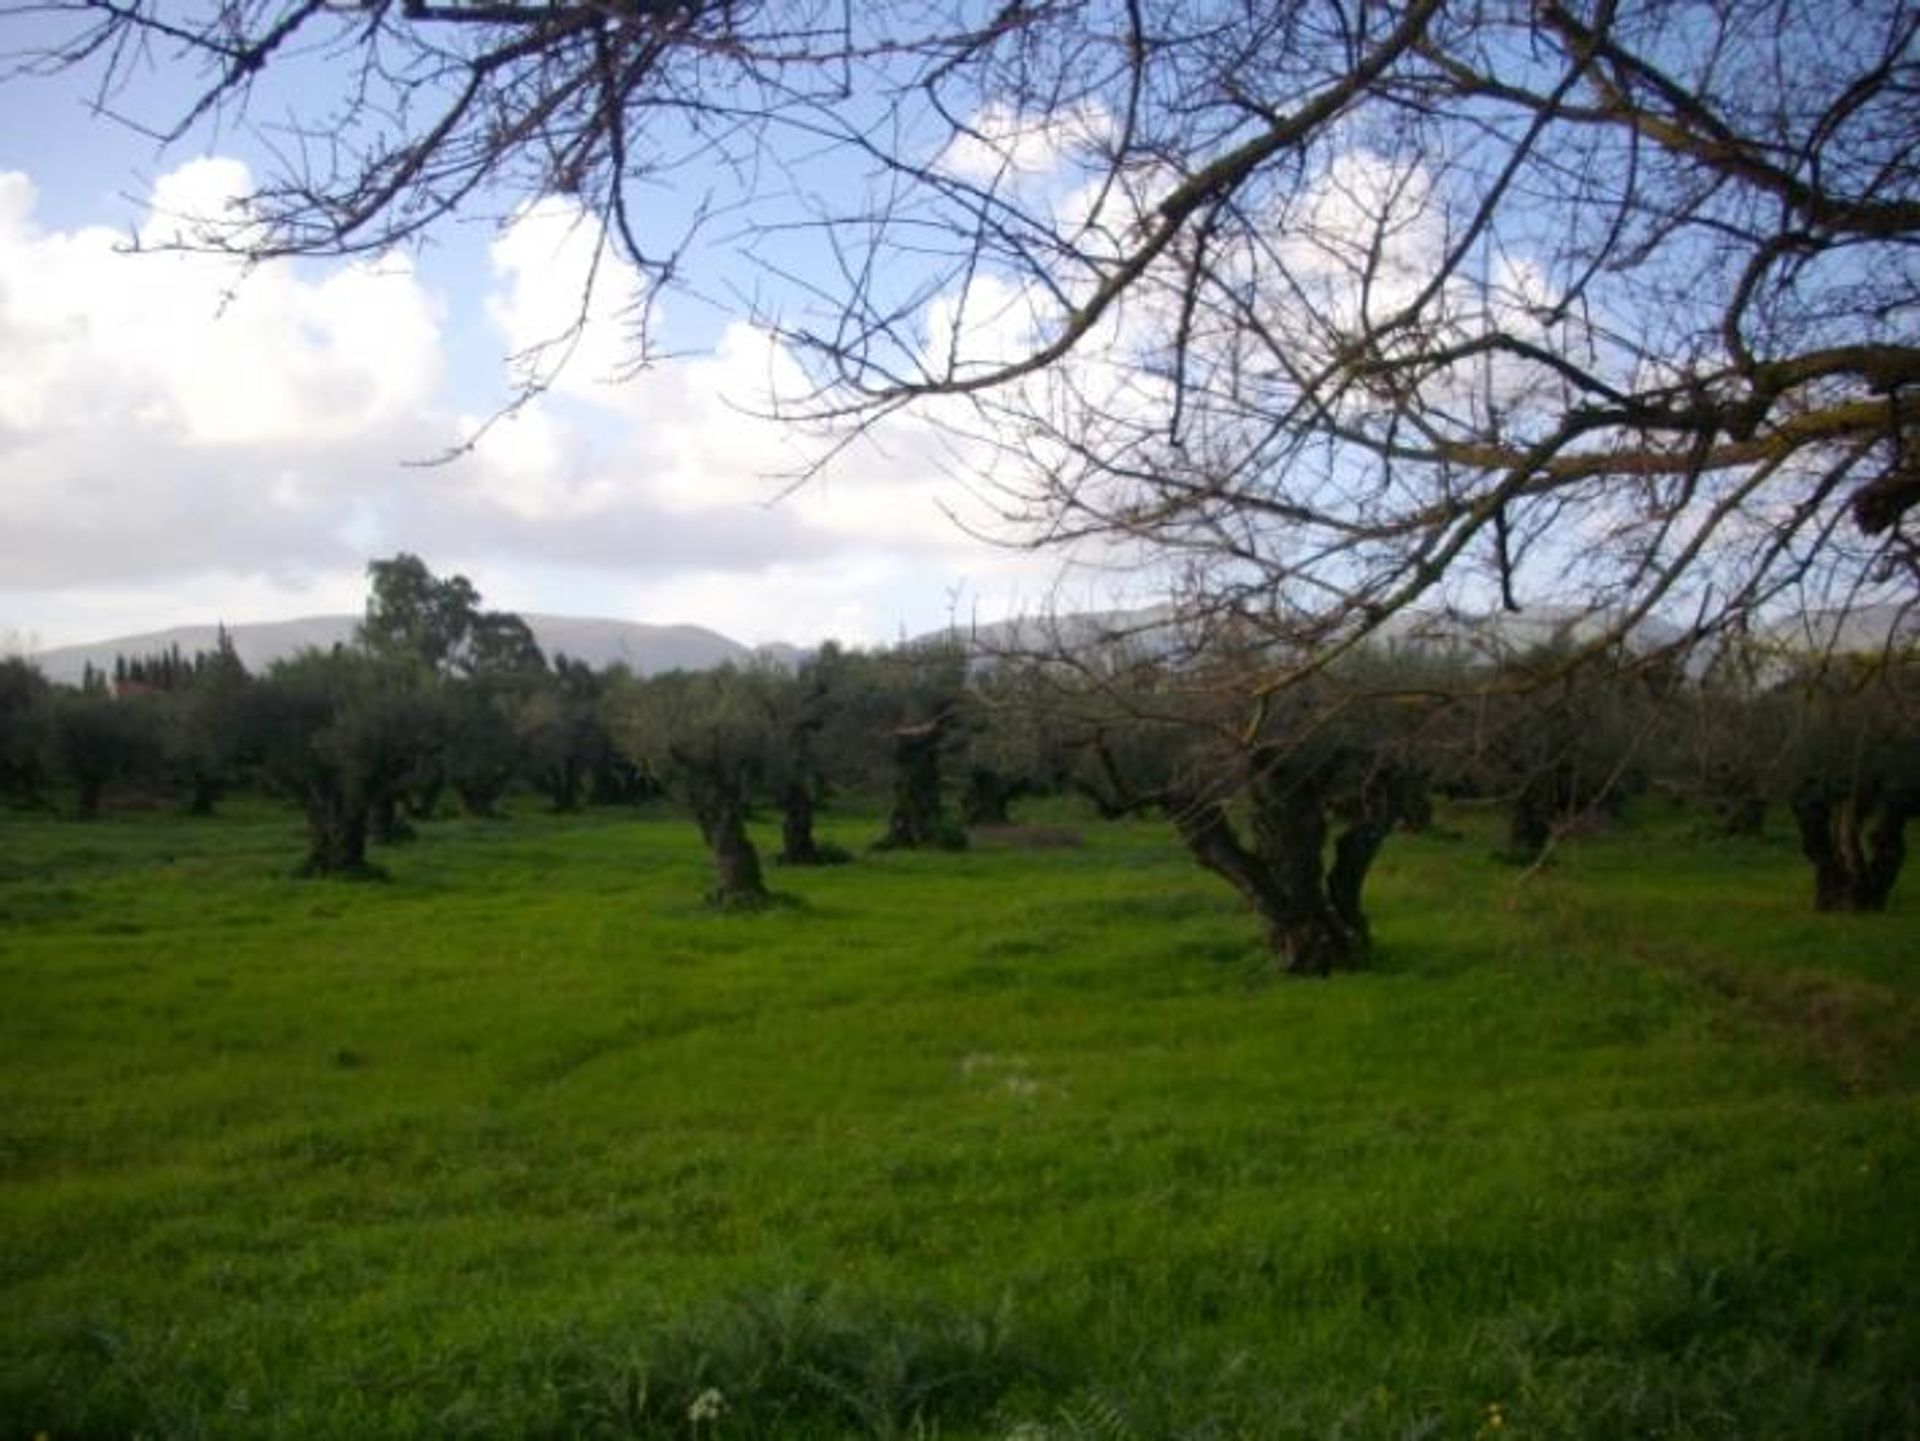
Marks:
<point>23,722</point>
<point>98,740</point>
<point>917,717</point>
<point>1019,746</point>
<point>813,745</point>
<point>1854,777</point>
<point>336,731</point>
<point>1291,813</point>
<point>709,733</point>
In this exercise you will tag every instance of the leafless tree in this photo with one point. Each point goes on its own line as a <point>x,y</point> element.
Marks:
<point>1335,307</point>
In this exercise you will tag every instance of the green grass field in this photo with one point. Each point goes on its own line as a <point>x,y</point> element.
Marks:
<point>1022,1142</point>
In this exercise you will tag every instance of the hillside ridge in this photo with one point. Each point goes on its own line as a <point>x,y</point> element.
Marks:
<point>645,648</point>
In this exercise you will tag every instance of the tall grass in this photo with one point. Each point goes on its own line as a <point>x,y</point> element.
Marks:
<point>1016,1142</point>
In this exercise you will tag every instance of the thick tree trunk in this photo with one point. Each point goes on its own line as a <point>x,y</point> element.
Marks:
<point>203,795</point>
<point>1392,795</point>
<point>990,797</point>
<point>1104,805</point>
<point>1310,905</point>
<point>1353,855</point>
<point>917,819</point>
<point>739,884</point>
<point>721,811</point>
<point>1742,815</point>
<point>1304,931</point>
<point>336,835</point>
<point>616,781</point>
<point>1290,802</point>
<point>1530,827</point>
<point>480,798</point>
<point>1109,790</point>
<point>1735,801</point>
<point>1857,845</point>
<point>797,845</point>
<point>561,785</point>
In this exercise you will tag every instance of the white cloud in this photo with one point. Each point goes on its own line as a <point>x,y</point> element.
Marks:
<point>181,442</point>
<point>160,420</point>
<point>567,300</point>
<point>175,346</point>
<point>1004,142</point>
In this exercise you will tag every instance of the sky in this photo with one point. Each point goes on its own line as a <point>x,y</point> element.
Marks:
<point>181,443</point>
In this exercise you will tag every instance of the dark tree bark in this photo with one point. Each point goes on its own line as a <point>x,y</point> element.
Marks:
<point>1284,875</point>
<point>1106,785</point>
<point>1542,802</point>
<point>918,818</point>
<point>1740,815</point>
<point>720,809</point>
<point>560,784</point>
<point>1307,893</point>
<point>617,781</point>
<point>203,794</point>
<point>1857,844</point>
<point>798,847</point>
<point>1389,798</point>
<point>1303,931</point>
<point>990,796</point>
<point>480,795</point>
<point>1104,805</point>
<point>1290,798</point>
<point>336,835</point>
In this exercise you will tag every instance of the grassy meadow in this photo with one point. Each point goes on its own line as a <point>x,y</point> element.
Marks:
<point>1021,1142</point>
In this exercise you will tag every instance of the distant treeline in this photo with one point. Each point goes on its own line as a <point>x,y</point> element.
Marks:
<point>1284,785</point>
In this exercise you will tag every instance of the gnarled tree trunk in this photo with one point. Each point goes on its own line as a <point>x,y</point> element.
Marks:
<point>918,818</point>
<point>1857,844</point>
<point>1545,799</point>
<point>1308,896</point>
<point>337,827</point>
<point>560,783</point>
<point>480,795</point>
<point>720,809</point>
<point>1391,795</point>
<point>797,845</point>
<point>990,797</point>
<point>203,793</point>
<point>1303,931</point>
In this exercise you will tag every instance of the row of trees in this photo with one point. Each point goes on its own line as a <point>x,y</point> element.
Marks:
<point>441,698</point>
<point>1322,312</point>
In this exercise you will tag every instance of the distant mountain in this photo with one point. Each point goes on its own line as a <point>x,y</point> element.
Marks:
<point>644,649</point>
<point>1157,631</point>
<point>650,649</point>
<point>1481,637</point>
<point>1860,631</point>
<point>257,645</point>
<point>1504,634</point>
<point>1152,631</point>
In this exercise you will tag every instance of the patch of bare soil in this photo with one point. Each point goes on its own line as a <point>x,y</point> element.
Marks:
<point>1030,838</point>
